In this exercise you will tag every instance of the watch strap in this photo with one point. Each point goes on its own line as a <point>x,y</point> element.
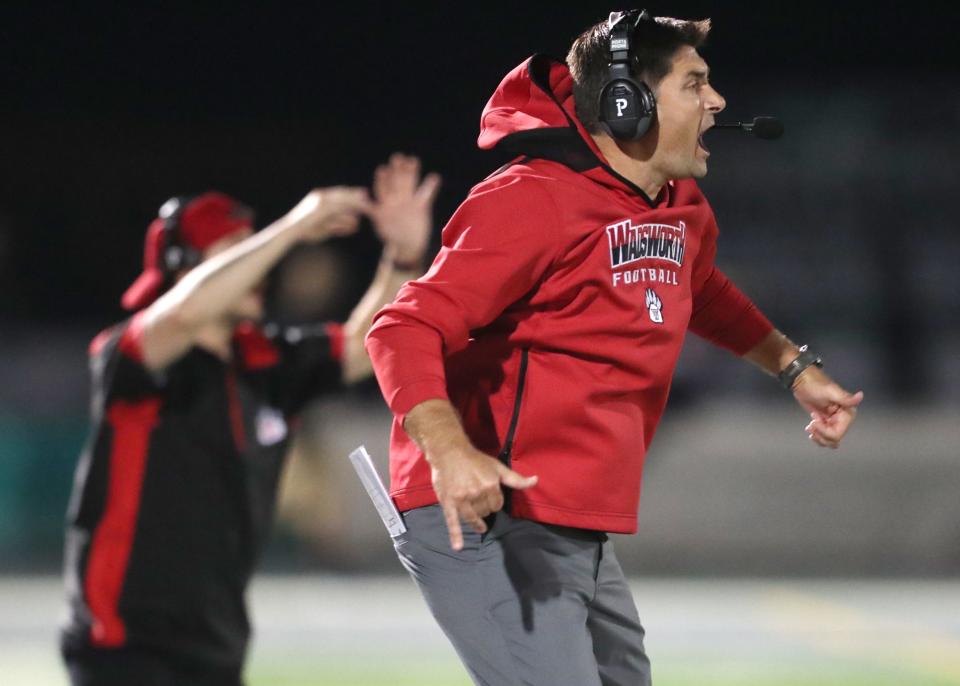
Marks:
<point>806,358</point>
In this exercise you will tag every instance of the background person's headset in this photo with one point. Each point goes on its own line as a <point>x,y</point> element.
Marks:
<point>627,106</point>
<point>177,255</point>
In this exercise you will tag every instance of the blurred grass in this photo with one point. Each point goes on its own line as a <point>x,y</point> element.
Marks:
<point>669,673</point>
<point>349,631</point>
<point>401,672</point>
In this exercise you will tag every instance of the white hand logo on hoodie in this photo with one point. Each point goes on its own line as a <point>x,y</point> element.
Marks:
<point>654,307</point>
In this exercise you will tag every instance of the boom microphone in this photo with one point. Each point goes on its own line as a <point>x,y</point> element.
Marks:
<point>767,128</point>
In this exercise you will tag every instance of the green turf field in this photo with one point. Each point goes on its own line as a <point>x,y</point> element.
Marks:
<point>43,670</point>
<point>717,633</point>
<point>340,631</point>
<point>668,673</point>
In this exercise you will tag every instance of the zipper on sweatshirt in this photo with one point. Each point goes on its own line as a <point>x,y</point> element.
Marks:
<point>504,455</point>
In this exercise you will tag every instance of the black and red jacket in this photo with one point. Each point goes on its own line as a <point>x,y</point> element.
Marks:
<point>554,313</point>
<point>175,489</point>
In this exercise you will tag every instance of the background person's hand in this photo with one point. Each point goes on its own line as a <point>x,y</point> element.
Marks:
<point>402,206</point>
<point>327,212</point>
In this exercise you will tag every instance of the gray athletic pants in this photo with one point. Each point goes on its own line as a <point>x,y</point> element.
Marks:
<point>528,604</point>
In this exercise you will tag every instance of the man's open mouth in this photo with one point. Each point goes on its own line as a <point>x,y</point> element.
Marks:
<point>700,142</point>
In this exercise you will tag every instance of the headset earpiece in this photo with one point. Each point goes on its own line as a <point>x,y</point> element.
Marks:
<point>177,256</point>
<point>627,107</point>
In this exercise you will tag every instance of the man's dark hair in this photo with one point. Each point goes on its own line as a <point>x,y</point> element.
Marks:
<point>654,44</point>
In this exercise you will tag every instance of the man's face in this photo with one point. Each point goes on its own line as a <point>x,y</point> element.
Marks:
<point>248,307</point>
<point>686,105</point>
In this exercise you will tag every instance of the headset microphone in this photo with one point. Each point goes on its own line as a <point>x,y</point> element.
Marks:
<point>767,128</point>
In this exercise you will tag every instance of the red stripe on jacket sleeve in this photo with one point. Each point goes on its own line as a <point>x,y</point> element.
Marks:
<point>726,317</point>
<point>132,424</point>
<point>335,334</point>
<point>235,408</point>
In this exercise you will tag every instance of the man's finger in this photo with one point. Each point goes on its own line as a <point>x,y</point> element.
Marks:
<point>343,225</point>
<point>851,400</point>
<point>429,187</point>
<point>819,441</point>
<point>380,181</point>
<point>453,526</point>
<point>832,429</point>
<point>404,173</point>
<point>829,433</point>
<point>841,422</point>
<point>411,173</point>
<point>470,516</point>
<point>350,200</point>
<point>391,172</point>
<point>493,500</point>
<point>510,478</point>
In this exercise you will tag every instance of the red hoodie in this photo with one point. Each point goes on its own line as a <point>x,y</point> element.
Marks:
<point>554,313</point>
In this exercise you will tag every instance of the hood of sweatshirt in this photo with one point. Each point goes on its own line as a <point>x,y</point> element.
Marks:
<point>531,114</point>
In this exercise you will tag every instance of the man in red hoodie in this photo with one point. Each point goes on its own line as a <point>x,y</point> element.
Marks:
<point>528,369</point>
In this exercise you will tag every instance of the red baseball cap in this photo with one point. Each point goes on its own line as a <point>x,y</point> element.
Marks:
<point>200,221</point>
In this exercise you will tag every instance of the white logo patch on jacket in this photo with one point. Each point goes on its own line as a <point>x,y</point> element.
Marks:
<point>654,306</point>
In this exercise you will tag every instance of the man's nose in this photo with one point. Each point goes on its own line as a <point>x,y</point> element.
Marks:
<point>715,102</point>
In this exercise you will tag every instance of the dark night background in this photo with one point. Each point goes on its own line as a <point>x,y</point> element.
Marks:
<point>107,109</point>
<point>843,231</point>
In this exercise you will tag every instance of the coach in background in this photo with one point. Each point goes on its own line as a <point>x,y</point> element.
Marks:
<point>190,420</point>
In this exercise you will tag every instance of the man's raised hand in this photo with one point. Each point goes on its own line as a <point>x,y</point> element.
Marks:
<point>327,212</point>
<point>402,206</point>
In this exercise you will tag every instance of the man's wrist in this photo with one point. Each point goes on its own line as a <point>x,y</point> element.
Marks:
<point>445,442</point>
<point>435,427</point>
<point>787,354</point>
<point>804,359</point>
<point>414,265</point>
<point>403,261</point>
<point>294,230</point>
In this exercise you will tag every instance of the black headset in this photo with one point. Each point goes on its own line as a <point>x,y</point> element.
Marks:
<point>177,256</point>
<point>627,107</point>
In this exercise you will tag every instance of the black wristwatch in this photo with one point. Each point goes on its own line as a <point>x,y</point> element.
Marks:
<point>806,358</point>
